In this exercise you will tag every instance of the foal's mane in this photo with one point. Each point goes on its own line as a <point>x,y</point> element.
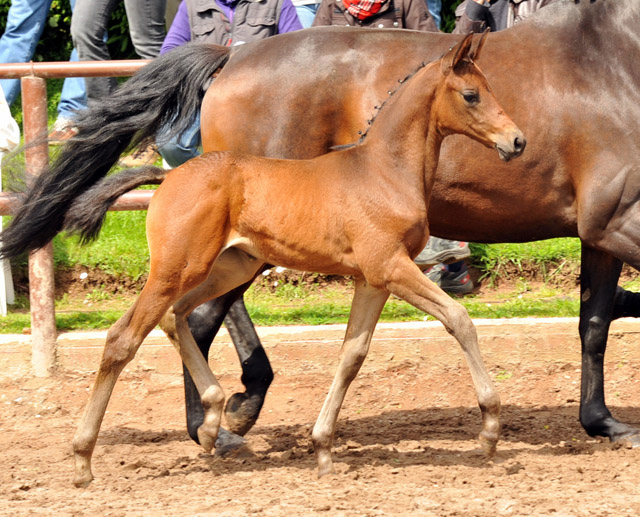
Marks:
<point>390,93</point>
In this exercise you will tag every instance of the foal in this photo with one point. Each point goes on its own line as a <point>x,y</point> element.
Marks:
<point>218,219</point>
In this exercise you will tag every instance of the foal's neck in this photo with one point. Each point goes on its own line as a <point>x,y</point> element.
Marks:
<point>404,136</point>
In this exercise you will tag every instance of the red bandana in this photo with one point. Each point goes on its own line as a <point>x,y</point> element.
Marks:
<point>362,9</point>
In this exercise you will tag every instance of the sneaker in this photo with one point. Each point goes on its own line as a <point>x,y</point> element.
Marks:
<point>442,251</point>
<point>141,156</point>
<point>63,130</point>
<point>457,283</point>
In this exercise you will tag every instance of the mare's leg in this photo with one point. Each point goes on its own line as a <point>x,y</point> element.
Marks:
<point>626,304</point>
<point>242,409</point>
<point>407,282</point>
<point>365,311</point>
<point>232,268</point>
<point>123,340</point>
<point>598,281</point>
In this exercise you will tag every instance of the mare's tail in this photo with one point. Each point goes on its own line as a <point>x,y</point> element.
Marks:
<point>87,212</point>
<point>166,93</point>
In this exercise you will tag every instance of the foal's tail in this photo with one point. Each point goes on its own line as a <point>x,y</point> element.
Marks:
<point>166,93</point>
<point>87,212</point>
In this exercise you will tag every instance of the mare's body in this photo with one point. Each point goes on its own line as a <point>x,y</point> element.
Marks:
<point>568,76</point>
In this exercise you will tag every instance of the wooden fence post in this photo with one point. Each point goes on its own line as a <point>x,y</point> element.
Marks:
<point>41,278</point>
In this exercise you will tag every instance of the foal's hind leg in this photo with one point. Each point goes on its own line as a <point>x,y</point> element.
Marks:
<point>365,311</point>
<point>232,268</point>
<point>123,340</point>
<point>407,282</point>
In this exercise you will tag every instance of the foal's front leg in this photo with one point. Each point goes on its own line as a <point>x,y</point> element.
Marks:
<point>407,282</point>
<point>367,305</point>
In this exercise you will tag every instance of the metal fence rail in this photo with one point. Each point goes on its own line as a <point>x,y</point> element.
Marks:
<point>34,109</point>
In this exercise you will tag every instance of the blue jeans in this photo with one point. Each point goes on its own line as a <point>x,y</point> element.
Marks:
<point>179,149</point>
<point>306,14</point>
<point>435,8</point>
<point>25,23</point>
<point>89,25</point>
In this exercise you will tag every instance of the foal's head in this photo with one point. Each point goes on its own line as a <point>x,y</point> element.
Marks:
<point>465,104</point>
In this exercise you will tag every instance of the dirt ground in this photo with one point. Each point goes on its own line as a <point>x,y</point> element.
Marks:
<point>405,443</point>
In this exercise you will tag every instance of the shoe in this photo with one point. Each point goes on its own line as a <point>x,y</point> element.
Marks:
<point>141,156</point>
<point>63,130</point>
<point>442,251</point>
<point>457,283</point>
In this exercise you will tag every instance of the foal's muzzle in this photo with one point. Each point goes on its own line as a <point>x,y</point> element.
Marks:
<point>511,146</point>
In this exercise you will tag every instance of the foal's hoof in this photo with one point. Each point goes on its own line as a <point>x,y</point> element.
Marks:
<point>82,480</point>
<point>230,443</point>
<point>241,412</point>
<point>206,438</point>
<point>488,445</point>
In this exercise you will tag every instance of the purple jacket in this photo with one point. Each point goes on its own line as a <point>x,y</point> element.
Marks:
<point>180,30</point>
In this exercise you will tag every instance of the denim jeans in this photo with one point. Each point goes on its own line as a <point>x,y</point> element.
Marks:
<point>25,23</point>
<point>89,25</point>
<point>74,95</point>
<point>435,8</point>
<point>306,14</point>
<point>178,149</point>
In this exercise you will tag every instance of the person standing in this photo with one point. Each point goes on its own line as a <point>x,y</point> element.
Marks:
<point>223,22</point>
<point>478,15</point>
<point>89,25</point>
<point>398,14</point>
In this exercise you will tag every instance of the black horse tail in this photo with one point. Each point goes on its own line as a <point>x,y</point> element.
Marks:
<point>164,95</point>
<point>87,212</point>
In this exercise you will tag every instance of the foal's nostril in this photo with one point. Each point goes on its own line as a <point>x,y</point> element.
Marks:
<point>519,144</point>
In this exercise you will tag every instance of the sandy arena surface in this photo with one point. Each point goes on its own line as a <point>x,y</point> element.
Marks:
<point>405,443</point>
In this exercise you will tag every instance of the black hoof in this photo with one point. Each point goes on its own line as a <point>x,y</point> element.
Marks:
<point>242,412</point>
<point>631,440</point>
<point>229,444</point>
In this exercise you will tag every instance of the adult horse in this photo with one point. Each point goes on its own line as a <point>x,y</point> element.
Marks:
<point>568,76</point>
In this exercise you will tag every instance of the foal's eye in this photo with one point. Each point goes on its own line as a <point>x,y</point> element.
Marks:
<point>471,97</point>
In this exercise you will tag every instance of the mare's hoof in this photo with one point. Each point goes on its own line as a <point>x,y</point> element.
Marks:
<point>632,440</point>
<point>231,444</point>
<point>241,412</point>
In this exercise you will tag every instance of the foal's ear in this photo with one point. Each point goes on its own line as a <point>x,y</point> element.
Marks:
<point>456,54</point>
<point>479,43</point>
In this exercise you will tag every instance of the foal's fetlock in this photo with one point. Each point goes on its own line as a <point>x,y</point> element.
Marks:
<point>212,402</point>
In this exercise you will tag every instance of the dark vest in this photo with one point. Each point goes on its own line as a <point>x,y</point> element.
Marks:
<point>252,20</point>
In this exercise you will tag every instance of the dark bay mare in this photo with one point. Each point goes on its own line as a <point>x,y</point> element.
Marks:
<point>216,220</point>
<point>568,76</point>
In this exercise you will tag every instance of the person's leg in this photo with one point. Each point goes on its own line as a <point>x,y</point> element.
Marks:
<point>306,14</point>
<point>185,146</point>
<point>73,96</point>
<point>435,9</point>
<point>88,27</point>
<point>25,23</point>
<point>146,25</point>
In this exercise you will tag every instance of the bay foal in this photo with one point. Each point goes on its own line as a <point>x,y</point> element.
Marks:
<point>216,220</point>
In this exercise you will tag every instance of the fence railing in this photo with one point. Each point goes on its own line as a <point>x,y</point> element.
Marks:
<point>34,110</point>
